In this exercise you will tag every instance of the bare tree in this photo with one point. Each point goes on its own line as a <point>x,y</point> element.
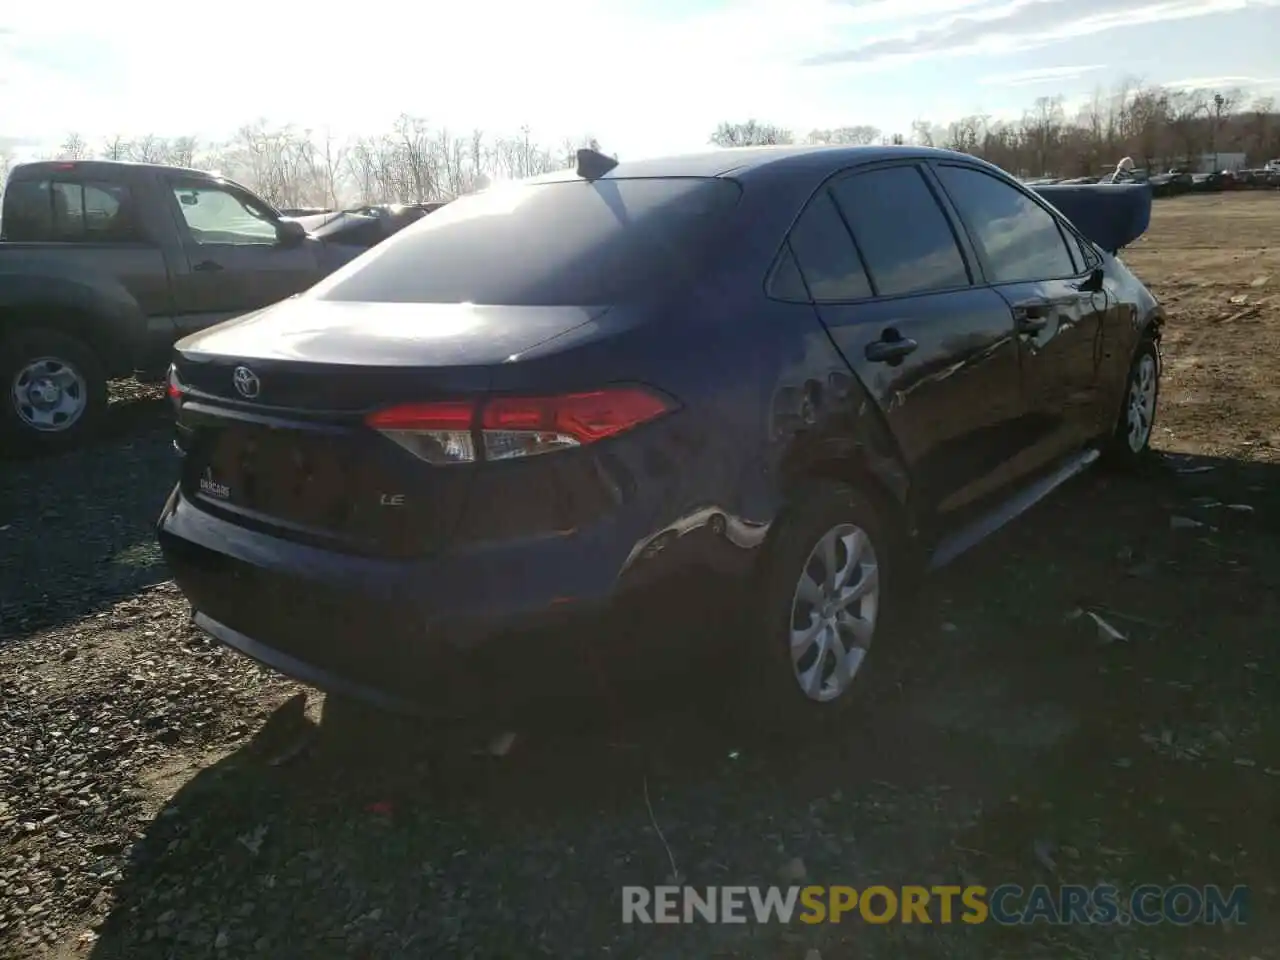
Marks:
<point>74,147</point>
<point>1186,109</point>
<point>749,134</point>
<point>416,161</point>
<point>858,135</point>
<point>182,151</point>
<point>1260,136</point>
<point>966,135</point>
<point>925,133</point>
<point>115,148</point>
<point>149,149</point>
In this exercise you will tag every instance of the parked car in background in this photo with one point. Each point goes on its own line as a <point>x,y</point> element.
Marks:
<point>774,378</point>
<point>103,265</point>
<point>365,226</point>
<point>1136,175</point>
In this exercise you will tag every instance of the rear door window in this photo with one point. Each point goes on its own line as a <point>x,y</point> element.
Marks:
<point>571,243</point>
<point>786,283</point>
<point>825,253</point>
<point>70,211</point>
<point>1019,239</point>
<point>903,233</point>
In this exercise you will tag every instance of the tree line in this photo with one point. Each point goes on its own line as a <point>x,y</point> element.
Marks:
<point>295,167</point>
<point>414,161</point>
<point>1157,127</point>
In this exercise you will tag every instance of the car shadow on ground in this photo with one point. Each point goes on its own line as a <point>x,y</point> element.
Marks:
<point>1089,697</point>
<point>81,524</point>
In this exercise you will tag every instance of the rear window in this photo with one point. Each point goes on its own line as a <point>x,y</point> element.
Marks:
<point>576,243</point>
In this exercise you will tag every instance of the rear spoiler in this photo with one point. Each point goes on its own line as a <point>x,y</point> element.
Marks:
<point>1112,215</point>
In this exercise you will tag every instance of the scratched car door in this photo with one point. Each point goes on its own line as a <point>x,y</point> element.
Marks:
<point>1027,258</point>
<point>933,348</point>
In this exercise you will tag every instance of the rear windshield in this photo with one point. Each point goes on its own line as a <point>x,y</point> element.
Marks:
<point>575,243</point>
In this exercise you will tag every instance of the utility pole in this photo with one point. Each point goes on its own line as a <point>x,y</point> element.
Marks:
<point>1219,101</point>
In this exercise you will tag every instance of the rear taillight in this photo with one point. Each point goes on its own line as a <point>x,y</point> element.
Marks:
<point>173,387</point>
<point>506,428</point>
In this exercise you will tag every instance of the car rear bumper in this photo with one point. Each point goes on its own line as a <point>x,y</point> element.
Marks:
<point>485,630</point>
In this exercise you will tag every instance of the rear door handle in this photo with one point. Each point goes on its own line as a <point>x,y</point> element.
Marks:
<point>1031,317</point>
<point>207,266</point>
<point>890,351</point>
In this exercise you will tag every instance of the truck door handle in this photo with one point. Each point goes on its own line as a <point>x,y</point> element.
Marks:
<point>207,266</point>
<point>890,348</point>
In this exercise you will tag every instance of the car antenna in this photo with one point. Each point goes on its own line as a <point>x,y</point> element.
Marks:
<point>592,164</point>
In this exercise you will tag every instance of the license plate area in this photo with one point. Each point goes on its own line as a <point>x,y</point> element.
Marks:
<point>298,477</point>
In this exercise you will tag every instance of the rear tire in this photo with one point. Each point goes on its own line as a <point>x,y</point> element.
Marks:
<point>53,390</point>
<point>830,588</point>
<point>1130,441</point>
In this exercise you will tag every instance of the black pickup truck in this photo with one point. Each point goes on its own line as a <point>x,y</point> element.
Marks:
<point>103,265</point>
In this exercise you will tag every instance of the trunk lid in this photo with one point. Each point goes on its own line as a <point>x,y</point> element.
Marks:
<point>288,452</point>
<point>384,334</point>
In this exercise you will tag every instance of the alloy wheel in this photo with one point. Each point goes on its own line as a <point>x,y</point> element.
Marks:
<point>1142,403</point>
<point>833,612</point>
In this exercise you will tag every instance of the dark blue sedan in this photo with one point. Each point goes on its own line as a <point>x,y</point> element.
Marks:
<point>771,381</point>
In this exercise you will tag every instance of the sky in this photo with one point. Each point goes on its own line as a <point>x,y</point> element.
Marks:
<point>645,77</point>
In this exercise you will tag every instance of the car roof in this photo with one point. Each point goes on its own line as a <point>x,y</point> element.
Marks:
<point>742,162</point>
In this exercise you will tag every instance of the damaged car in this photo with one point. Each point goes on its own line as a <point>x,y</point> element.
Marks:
<point>754,389</point>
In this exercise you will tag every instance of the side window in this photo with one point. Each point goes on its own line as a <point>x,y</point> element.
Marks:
<point>215,215</point>
<point>1020,239</point>
<point>70,212</point>
<point>1088,256</point>
<point>785,283</point>
<point>28,212</point>
<point>826,255</point>
<point>903,234</point>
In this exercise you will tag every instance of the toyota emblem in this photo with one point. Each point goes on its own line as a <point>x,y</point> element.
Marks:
<point>247,382</point>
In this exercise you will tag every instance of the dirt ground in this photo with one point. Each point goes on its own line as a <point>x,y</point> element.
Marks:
<point>162,798</point>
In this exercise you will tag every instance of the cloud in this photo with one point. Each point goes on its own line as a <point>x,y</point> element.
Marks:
<point>1023,78</point>
<point>1194,83</point>
<point>640,76</point>
<point>1019,25</point>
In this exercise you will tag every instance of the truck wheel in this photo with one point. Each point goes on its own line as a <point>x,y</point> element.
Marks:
<point>54,389</point>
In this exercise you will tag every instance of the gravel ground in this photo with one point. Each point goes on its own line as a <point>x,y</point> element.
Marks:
<point>160,797</point>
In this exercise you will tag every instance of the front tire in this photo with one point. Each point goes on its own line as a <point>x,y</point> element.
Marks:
<point>54,389</point>
<point>1130,441</point>
<point>829,585</point>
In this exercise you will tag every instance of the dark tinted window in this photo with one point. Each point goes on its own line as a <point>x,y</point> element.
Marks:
<point>786,282</point>
<point>902,232</point>
<point>826,254</point>
<point>69,211</point>
<point>575,243</point>
<point>1019,238</point>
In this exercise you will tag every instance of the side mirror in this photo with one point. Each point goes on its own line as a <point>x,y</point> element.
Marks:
<point>290,233</point>
<point>1093,284</point>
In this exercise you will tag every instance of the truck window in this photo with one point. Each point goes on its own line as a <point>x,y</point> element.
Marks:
<point>67,211</point>
<point>215,215</point>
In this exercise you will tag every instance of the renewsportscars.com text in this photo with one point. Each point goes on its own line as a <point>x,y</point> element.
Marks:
<point>1007,904</point>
